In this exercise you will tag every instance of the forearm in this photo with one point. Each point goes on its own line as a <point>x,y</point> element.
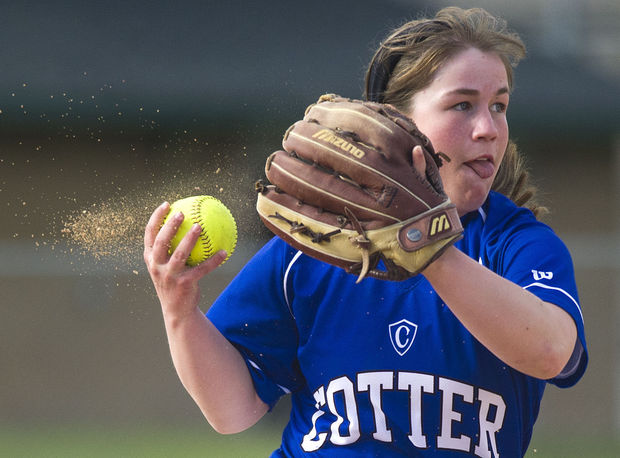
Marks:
<point>530,335</point>
<point>214,373</point>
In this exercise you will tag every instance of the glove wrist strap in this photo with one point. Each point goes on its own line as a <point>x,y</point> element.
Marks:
<point>439,223</point>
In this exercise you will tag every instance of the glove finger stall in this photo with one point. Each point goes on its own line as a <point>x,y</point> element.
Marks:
<point>385,134</point>
<point>391,180</point>
<point>343,151</point>
<point>333,220</point>
<point>325,190</point>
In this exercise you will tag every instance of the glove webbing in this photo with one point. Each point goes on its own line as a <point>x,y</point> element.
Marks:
<point>315,237</point>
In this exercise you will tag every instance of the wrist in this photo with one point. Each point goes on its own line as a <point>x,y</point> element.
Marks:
<point>436,267</point>
<point>175,319</point>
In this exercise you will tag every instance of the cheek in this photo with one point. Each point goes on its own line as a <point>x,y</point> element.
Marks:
<point>448,175</point>
<point>504,142</point>
<point>447,140</point>
<point>443,132</point>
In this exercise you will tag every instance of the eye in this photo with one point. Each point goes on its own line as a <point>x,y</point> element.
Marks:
<point>499,107</point>
<point>462,106</point>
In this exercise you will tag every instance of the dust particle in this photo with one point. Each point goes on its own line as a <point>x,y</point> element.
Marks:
<point>106,230</point>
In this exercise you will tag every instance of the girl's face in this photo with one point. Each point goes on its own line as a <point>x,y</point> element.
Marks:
<point>463,112</point>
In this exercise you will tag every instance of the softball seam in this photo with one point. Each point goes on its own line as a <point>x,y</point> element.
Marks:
<point>204,236</point>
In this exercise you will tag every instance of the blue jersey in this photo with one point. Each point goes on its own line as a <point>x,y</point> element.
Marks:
<point>384,368</point>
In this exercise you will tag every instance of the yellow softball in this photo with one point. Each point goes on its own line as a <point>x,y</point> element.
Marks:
<point>219,230</point>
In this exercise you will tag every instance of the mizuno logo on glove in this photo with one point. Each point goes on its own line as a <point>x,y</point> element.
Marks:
<point>439,224</point>
<point>328,136</point>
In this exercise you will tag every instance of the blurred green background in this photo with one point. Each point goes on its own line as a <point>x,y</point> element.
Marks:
<point>107,109</point>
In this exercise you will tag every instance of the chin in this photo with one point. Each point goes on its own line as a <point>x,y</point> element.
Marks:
<point>463,210</point>
<point>470,201</point>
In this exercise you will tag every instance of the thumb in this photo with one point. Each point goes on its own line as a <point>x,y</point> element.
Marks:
<point>419,162</point>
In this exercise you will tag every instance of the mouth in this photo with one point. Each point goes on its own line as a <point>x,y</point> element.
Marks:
<point>483,166</point>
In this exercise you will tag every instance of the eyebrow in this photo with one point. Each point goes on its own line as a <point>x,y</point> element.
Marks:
<point>466,91</point>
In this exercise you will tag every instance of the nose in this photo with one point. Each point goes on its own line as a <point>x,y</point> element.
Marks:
<point>485,126</point>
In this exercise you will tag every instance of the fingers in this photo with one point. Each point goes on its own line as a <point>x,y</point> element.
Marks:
<point>159,252</point>
<point>210,264</point>
<point>157,237</point>
<point>152,227</point>
<point>186,245</point>
<point>419,162</point>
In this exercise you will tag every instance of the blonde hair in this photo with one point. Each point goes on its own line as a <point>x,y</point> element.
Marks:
<point>408,59</point>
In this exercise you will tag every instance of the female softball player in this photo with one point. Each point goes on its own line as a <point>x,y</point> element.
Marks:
<point>451,362</point>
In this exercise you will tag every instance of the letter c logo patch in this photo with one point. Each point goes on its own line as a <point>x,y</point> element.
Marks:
<point>402,334</point>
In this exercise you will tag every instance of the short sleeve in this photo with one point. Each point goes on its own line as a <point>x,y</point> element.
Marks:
<point>536,259</point>
<point>253,315</point>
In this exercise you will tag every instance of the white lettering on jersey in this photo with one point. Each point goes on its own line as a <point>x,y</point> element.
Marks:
<point>344,385</point>
<point>340,398</point>
<point>313,441</point>
<point>416,384</point>
<point>450,389</point>
<point>402,334</point>
<point>374,383</point>
<point>488,427</point>
<point>538,275</point>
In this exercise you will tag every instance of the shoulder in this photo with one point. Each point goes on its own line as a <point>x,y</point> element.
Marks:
<point>500,232</point>
<point>275,254</point>
<point>264,269</point>
<point>499,217</point>
<point>503,214</point>
<point>285,265</point>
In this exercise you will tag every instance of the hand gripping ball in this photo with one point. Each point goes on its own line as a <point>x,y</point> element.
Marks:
<point>219,230</point>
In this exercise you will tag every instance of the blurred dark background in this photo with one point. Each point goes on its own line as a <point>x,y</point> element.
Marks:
<point>123,104</point>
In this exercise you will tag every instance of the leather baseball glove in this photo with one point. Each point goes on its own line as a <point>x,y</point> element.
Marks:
<point>345,191</point>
